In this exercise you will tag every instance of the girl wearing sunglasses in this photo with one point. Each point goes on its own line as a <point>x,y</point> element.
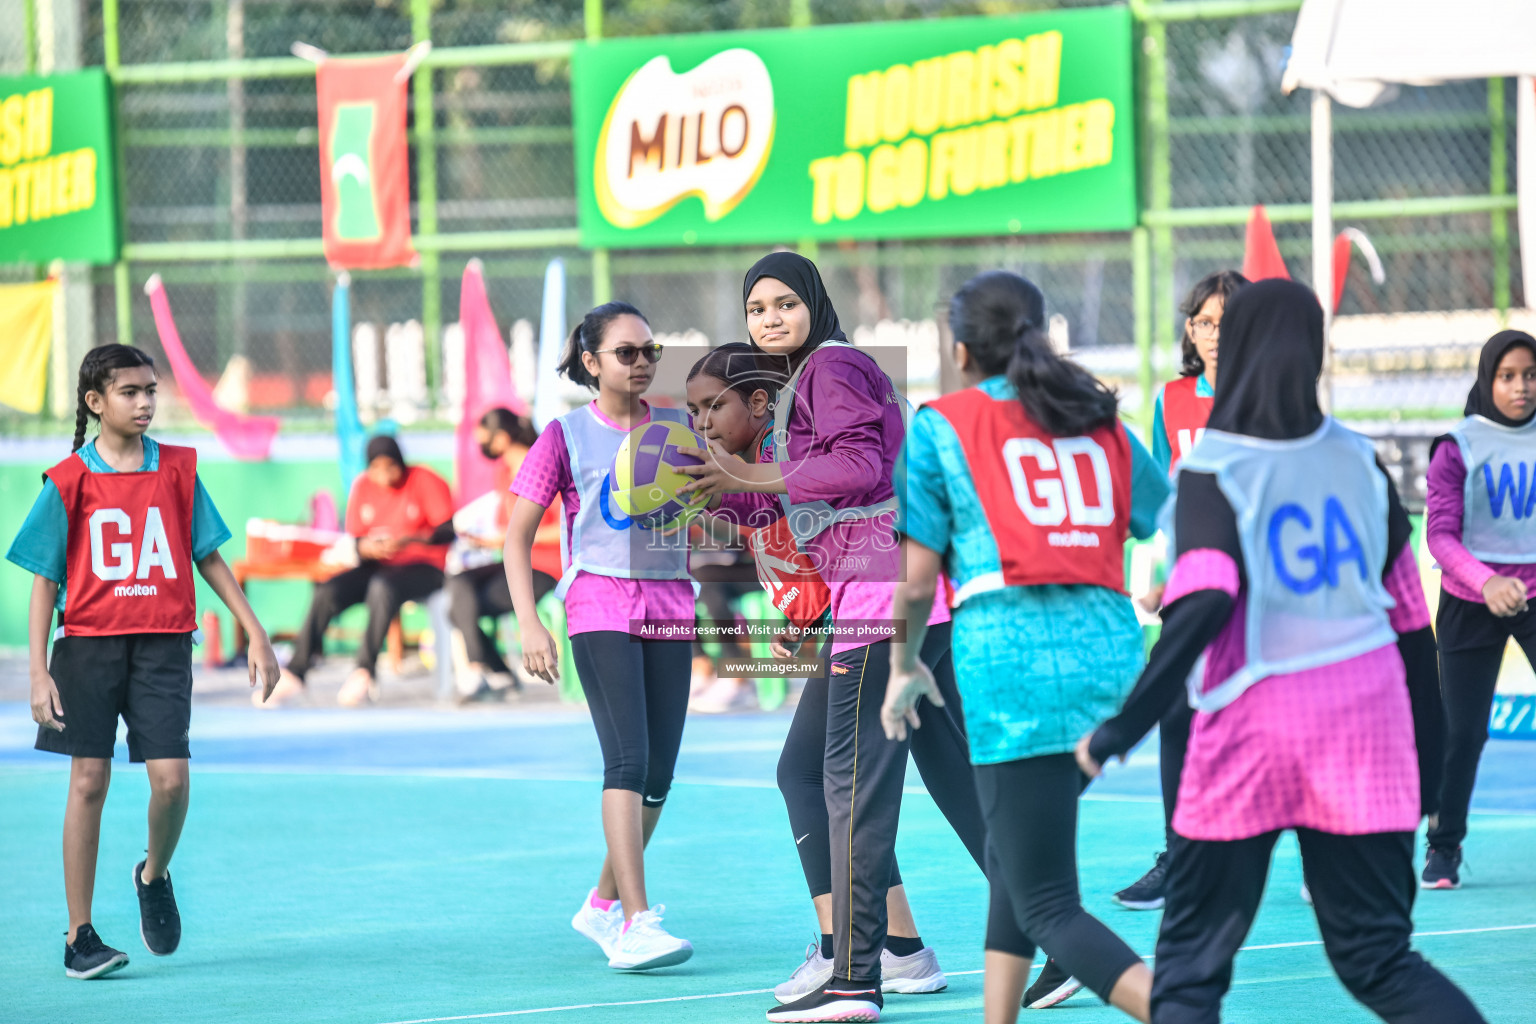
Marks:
<point>616,579</point>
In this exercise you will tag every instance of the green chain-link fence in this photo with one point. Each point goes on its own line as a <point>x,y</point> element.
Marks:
<point>221,183</point>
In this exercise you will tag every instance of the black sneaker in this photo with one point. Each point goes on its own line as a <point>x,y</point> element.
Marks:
<point>1440,868</point>
<point>88,957</point>
<point>159,920</point>
<point>1053,986</point>
<point>836,1001</point>
<point>1146,894</point>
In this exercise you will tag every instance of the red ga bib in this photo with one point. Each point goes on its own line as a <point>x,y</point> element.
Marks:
<point>1185,413</point>
<point>789,575</point>
<point>128,557</point>
<point>1058,507</point>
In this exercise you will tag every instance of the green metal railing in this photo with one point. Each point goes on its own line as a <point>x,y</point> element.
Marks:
<point>1151,245</point>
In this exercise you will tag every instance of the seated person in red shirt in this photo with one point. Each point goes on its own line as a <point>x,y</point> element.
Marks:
<point>402,517</point>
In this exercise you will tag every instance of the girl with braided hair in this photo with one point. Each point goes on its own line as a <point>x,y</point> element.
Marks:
<point>111,541</point>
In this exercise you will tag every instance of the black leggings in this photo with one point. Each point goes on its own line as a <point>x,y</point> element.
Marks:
<point>1467,682</point>
<point>383,588</point>
<point>1030,810</point>
<point>939,748</point>
<point>1362,893</point>
<point>637,691</point>
<point>484,591</point>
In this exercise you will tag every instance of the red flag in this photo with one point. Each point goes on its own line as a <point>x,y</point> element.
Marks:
<point>1343,247</point>
<point>1341,251</point>
<point>487,383</point>
<point>1261,255</point>
<point>365,193</point>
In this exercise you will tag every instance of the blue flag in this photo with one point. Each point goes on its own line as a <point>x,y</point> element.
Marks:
<point>350,437</point>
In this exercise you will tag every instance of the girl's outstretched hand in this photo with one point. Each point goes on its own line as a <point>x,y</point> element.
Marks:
<point>262,664</point>
<point>47,709</point>
<point>720,474</point>
<point>540,655</point>
<point>901,696</point>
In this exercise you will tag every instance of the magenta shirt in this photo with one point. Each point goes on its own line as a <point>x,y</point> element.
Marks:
<point>1330,748</point>
<point>1462,574</point>
<point>595,602</point>
<point>846,430</point>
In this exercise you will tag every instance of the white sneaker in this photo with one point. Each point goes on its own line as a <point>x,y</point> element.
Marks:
<point>601,926</point>
<point>808,977</point>
<point>645,944</point>
<point>1306,894</point>
<point>912,975</point>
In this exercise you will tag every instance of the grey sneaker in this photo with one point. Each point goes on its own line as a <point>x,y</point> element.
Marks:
<point>808,977</point>
<point>917,974</point>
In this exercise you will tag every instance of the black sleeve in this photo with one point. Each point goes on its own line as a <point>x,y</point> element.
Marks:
<point>443,533</point>
<point>1203,518</point>
<point>1422,663</point>
<point>1189,625</point>
<point>1399,528</point>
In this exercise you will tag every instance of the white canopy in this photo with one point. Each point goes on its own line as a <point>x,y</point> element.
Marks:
<point>1352,50</point>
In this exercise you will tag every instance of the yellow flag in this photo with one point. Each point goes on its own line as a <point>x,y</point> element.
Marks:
<point>26,322</point>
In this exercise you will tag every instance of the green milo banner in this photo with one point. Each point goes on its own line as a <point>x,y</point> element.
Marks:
<point>970,126</point>
<point>57,195</point>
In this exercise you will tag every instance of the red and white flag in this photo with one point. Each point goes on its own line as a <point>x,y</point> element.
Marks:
<point>365,192</point>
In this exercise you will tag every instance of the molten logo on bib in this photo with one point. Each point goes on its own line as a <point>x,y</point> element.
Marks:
<point>667,136</point>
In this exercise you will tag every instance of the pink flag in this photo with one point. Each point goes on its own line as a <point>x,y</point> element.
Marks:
<point>487,383</point>
<point>247,437</point>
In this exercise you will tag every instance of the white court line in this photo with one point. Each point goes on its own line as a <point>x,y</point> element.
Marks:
<point>515,775</point>
<point>952,974</point>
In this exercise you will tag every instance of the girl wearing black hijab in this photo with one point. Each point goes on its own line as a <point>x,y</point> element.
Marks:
<point>1478,527</point>
<point>829,474</point>
<point>1317,685</point>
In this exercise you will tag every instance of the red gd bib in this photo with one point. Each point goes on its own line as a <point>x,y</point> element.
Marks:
<point>128,558</point>
<point>1185,414</point>
<point>789,575</point>
<point>1059,508</point>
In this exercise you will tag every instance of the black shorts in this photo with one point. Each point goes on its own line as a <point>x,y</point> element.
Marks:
<point>1465,625</point>
<point>144,677</point>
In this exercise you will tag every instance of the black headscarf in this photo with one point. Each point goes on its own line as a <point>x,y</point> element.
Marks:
<point>383,444</point>
<point>801,275</point>
<point>1271,357</point>
<point>1480,398</point>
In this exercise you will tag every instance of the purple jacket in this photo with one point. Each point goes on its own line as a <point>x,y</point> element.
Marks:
<point>1462,574</point>
<point>846,429</point>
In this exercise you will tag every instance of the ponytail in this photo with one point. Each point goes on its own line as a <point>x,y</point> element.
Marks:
<point>97,369</point>
<point>588,337</point>
<point>1000,318</point>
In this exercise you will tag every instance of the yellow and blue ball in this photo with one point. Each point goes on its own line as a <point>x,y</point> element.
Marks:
<point>645,478</point>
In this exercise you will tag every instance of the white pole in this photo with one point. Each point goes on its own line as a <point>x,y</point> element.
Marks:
<point>1525,168</point>
<point>1322,230</point>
